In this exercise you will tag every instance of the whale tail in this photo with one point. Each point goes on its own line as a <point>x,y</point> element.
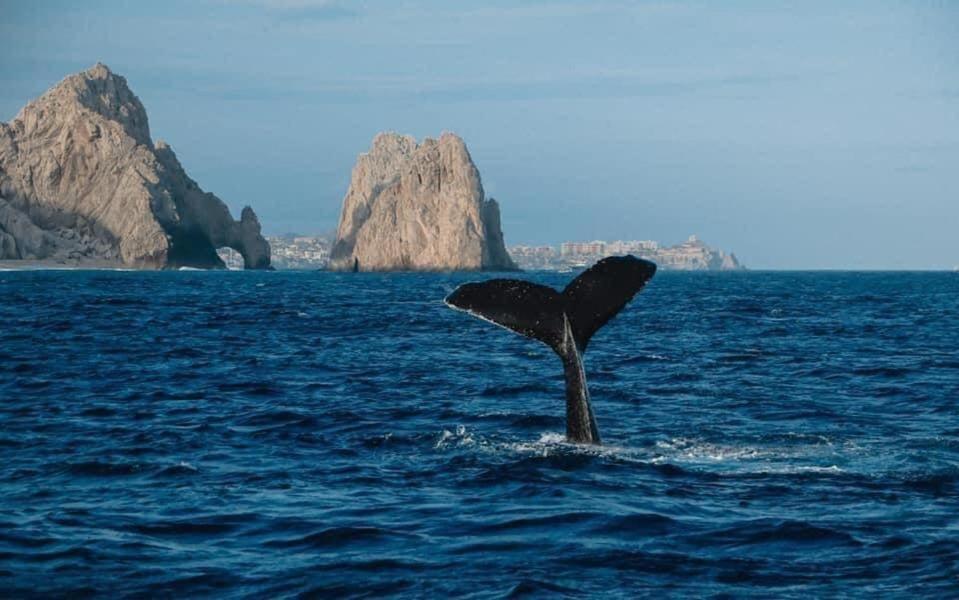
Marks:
<point>565,321</point>
<point>542,313</point>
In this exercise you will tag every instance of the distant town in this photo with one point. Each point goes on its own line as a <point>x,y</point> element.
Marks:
<point>313,252</point>
<point>691,255</point>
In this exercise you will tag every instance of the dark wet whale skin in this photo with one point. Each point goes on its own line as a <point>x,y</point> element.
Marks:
<point>564,321</point>
<point>581,424</point>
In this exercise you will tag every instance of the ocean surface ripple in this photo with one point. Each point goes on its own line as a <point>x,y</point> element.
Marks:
<point>282,434</point>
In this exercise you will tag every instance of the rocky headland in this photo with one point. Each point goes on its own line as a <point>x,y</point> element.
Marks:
<point>418,207</point>
<point>81,182</point>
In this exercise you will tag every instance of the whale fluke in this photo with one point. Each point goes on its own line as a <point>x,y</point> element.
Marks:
<point>600,292</point>
<point>564,321</point>
<point>527,308</point>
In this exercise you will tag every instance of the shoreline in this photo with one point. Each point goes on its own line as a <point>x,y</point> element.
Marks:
<point>56,265</point>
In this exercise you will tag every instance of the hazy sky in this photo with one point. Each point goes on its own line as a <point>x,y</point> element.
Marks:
<point>796,134</point>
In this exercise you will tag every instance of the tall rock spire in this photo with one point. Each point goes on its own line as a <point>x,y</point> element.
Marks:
<point>418,207</point>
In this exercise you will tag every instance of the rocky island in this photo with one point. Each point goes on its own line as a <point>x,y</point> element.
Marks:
<point>82,183</point>
<point>418,207</point>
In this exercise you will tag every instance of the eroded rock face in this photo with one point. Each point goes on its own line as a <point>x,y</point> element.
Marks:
<point>418,207</point>
<point>80,178</point>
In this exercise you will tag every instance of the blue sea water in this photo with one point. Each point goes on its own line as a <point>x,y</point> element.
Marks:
<point>281,434</point>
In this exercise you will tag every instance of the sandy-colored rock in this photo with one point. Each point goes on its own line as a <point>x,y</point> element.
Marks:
<point>26,239</point>
<point>79,165</point>
<point>729,262</point>
<point>418,207</point>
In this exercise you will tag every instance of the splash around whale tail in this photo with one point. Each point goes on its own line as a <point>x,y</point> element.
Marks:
<point>542,313</point>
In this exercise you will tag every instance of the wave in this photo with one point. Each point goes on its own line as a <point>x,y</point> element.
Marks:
<point>449,439</point>
<point>764,532</point>
<point>534,587</point>
<point>251,388</point>
<point>492,546</point>
<point>501,391</point>
<point>643,358</point>
<point>96,468</point>
<point>644,524</point>
<point>178,470</point>
<point>540,522</point>
<point>938,484</point>
<point>337,537</point>
<point>886,372</point>
<point>77,553</point>
<point>218,524</point>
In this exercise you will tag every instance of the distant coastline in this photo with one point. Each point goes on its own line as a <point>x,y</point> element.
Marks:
<point>294,251</point>
<point>691,255</point>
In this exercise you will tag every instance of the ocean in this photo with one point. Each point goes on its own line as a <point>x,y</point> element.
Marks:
<point>287,434</point>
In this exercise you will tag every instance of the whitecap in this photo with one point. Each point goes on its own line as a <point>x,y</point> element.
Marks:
<point>692,450</point>
<point>461,437</point>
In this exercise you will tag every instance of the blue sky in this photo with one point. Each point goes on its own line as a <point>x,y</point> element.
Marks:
<point>797,134</point>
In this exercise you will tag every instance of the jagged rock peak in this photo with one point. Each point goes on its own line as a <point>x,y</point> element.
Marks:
<point>81,179</point>
<point>418,207</point>
<point>101,91</point>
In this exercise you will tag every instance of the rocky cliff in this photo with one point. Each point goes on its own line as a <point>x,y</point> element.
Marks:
<point>81,179</point>
<point>418,207</point>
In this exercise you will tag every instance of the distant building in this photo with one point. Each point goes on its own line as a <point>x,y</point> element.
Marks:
<point>691,255</point>
<point>288,252</point>
<point>534,257</point>
<point>231,258</point>
<point>631,247</point>
<point>582,248</point>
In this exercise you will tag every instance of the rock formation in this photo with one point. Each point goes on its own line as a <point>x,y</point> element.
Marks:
<point>418,207</point>
<point>81,179</point>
